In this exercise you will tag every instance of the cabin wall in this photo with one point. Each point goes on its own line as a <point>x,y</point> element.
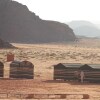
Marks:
<point>1,69</point>
<point>19,71</point>
<point>70,73</point>
<point>66,73</point>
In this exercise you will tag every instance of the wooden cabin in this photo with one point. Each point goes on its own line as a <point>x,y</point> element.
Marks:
<point>24,69</point>
<point>1,69</point>
<point>66,71</point>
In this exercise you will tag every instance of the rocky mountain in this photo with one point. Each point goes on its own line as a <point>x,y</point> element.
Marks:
<point>85,28</point>
<point>79,23</point>
<point>87,31</point>
<point>18,24</point>
<point>4,44</point>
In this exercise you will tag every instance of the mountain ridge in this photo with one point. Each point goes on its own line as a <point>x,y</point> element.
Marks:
<point>85,28</point>
<point>18,24</point>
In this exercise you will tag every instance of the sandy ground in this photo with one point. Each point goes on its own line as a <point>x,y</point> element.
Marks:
<point>44,56</point>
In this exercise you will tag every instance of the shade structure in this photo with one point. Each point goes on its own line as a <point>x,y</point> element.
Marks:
<point>22,70</point>
<point>92,75</point>
<point>66,71</point>
<point>71,71</point>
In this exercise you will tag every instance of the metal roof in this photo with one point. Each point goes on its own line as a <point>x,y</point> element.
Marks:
<point>74,65</point>
<point>95,66</point>
<point>79,65</point>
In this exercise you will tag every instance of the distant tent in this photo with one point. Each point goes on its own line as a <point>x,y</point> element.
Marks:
<point>93,74</point>
<point>66,71</point>
<point>24,69</point>
<point>71,71</point>
<point>1,69</point>
<point>27,69</point>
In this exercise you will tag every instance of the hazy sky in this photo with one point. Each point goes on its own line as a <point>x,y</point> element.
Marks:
<point>65,10</point>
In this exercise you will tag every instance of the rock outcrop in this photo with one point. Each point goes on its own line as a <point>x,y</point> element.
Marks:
<point>4,44</point>
<point>18,24</point>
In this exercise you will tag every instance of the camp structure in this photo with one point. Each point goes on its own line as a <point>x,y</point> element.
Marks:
<point>71,71</point>
<point>15,69</point>
<point>21,70</point>
<point>92,74</point>
<point>1,69</point>
<point>66,71</point>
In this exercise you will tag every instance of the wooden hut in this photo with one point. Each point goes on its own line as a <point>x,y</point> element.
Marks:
<point>24,69</point>
<point>1,69</point>
<point>66,71</point>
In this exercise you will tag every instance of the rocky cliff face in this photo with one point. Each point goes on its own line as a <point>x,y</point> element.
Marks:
<point>4,44</point>
<point>18,24</point>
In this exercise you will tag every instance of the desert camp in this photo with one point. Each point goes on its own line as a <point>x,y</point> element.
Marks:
<point>64,71</point>
<point>44,59</point>
<point>49,49</point>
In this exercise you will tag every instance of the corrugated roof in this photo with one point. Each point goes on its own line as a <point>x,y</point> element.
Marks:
<point>79,65</point>
<point>95,66</point>
<point>72,65</point>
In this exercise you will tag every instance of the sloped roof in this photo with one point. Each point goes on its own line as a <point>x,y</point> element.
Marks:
<point>68,65</point>
<point>22,63</point>
<point>72,65</point>
<point>26,64</point>
<point>94,66</point>
<point>85,67</point>
<point>78,65</point>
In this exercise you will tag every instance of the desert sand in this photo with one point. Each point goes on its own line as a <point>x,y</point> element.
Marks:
<point>44,56</point>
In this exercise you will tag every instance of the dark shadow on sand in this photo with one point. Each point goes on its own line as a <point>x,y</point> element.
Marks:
<point>72,82</point>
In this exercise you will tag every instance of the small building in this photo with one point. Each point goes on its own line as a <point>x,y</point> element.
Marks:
<point>1,69</point>
<point>71,71</point>
<point>27,69</point>
<point>24,69</point>
<point>66,71</point>
<point>93,74</point>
